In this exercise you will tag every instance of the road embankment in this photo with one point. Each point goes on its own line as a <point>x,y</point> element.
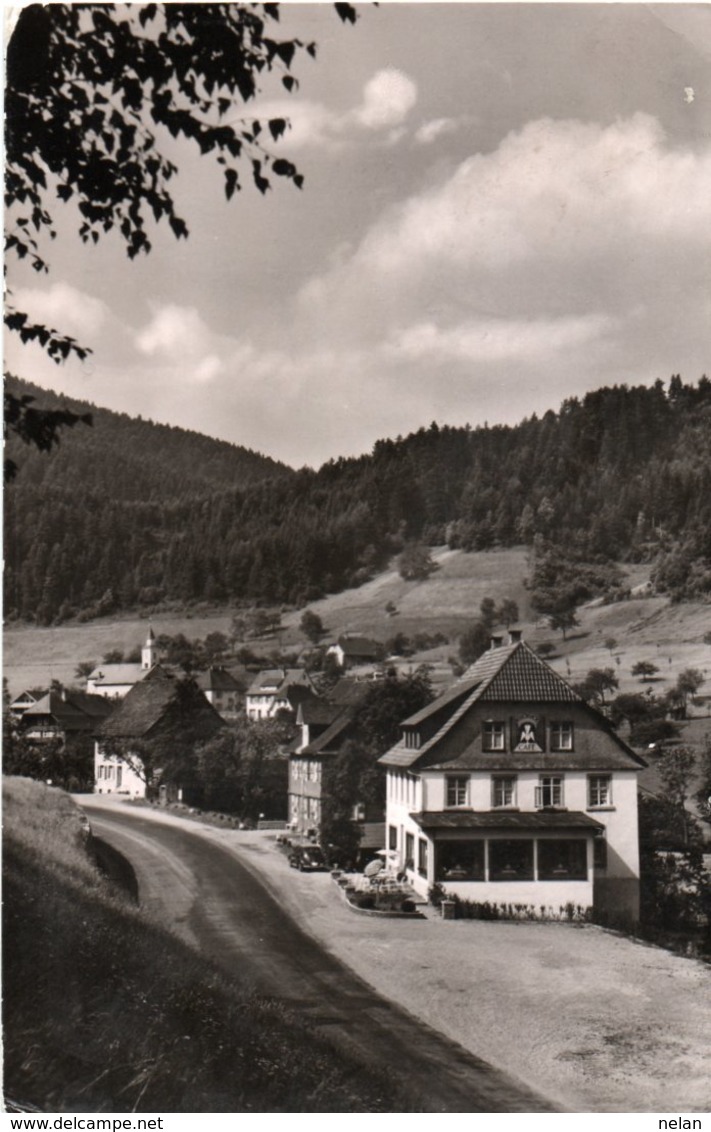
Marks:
<point>107,1011</point>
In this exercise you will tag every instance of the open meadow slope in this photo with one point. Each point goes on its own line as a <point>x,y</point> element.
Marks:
<point>645,628</point>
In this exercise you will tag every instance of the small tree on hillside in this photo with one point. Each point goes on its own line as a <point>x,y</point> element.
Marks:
<point>597,682</point>
<point>311,626</point>
<point>415,564</point>
<point>487,609</point>
<point>84,668</point>
<point>474,642</point>
<point>507,613</point>
<point>688,683</point>
<point>215,647</point>
<point>676,769</point>
<point>645,669</point>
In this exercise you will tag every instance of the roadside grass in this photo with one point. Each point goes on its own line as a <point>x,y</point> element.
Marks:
<point>106,1011</point>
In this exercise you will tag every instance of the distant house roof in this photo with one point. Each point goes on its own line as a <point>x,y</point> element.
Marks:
<point>69,710</point>
<point>348,692</point>
<point>272,680</point>
<point>217,679</point>
<point>315,711</point>
<point>159,698</point>
<point>296,695</point>
<point>25,700</point>
<point>116,674</point>
<point>332,739</point>
<point>357,648</point>
<point>505,675</point>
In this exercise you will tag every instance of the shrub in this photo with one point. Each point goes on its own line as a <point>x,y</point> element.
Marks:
<point>365,900</point>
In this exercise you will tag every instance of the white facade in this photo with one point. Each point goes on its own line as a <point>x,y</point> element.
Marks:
<point>114,681</point>
<point>113,775</point>
<point>427,792</point>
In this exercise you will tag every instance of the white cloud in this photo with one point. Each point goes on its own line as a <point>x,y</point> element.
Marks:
<point>178,336</point>
<point>387,100</point>
<point>495,340</point>
<point>563,218</point>
<point>437,128</point>
<point>63,308</point>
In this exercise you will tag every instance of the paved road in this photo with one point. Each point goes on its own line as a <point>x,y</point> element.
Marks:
<point>219,906</point>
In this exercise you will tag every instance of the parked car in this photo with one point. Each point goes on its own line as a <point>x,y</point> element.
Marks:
<point>307,858</point>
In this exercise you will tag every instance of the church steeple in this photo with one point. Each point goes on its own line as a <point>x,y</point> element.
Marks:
<point>149,652</point>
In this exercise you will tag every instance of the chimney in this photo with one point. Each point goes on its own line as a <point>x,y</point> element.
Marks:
<point>497,641</point>
<point>515,635</point>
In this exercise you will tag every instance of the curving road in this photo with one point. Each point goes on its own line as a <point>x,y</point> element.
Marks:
<point>219,906</point>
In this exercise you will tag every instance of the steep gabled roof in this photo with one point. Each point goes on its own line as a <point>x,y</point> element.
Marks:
<point>73,711</point>
<point>333,738</point>
<point>152,702</point>
<point>348,692</point>
<point>316,711</point>
<point>506,675</point>
<point>217,679</point>
<point>272,680</point>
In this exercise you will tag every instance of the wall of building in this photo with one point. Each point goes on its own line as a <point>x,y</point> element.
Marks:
<point>615,888</point>
<point>113,775</point>
<point>305,789</point>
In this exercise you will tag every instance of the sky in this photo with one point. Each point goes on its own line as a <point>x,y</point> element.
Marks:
<point>505,205</point>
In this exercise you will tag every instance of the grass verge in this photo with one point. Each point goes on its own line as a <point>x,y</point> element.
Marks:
<point>105,1011</point>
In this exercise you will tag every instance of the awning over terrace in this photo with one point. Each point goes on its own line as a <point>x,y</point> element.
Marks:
<point>552,821</point>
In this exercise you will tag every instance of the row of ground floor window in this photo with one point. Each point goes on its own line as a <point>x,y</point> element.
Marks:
<point>501,859</point>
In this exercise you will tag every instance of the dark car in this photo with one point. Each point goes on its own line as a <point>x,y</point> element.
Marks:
<point>307,858</point>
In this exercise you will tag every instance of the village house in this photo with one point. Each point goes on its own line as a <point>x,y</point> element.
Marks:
<point>63,713</point>
<point>326,725</point>
<point>21,703</point>
<point>221,690</point>
<point>510,788</point>
<point>159,707</point>
<point>351,650</point>
<point>116,680</point>
<point>277,689</point>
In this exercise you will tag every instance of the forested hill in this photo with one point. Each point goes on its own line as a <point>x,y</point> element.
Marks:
<point>623,472</point>
<point>128,458</point>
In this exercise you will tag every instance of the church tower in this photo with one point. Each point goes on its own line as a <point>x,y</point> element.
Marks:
<point>149,652</point>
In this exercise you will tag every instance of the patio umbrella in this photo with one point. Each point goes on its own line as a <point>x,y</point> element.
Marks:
<point>372,869</point>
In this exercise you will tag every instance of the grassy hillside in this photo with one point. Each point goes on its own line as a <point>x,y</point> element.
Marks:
<point>105,1011</point>
<point>646,628</point>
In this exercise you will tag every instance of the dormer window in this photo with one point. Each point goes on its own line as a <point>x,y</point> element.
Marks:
<point>412,738</point>
<point>561,736</point>
<point>493,735</point>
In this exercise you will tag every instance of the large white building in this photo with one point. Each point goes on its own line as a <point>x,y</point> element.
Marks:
<point>510,788</point>
<point>116,680</point>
